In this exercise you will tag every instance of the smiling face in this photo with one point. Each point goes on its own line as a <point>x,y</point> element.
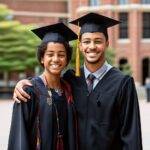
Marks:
<point>54,59</point>
<point>93,46</point>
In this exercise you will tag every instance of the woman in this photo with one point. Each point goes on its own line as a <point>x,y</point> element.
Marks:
<point>47,121</point>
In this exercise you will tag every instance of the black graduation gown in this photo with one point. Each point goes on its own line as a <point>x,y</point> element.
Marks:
<point>108,118</point>
<point>37,118</point>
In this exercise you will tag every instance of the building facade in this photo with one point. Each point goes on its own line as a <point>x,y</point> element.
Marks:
<point>131,39</point>
<point>38,11</point>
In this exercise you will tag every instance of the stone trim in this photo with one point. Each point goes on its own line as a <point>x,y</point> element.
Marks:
<point>119,8</point>
<point>40,14</point>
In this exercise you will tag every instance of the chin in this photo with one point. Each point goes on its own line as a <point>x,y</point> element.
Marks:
<point>90,61</point>
<point>55,72</point>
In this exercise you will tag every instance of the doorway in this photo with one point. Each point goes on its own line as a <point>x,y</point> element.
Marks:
<point>145,69</point>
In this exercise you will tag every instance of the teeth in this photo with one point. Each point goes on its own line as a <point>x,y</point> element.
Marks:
<point>92,53</point>
<point>55,65</point>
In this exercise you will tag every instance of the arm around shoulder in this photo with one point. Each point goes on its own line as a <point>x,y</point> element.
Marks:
<point>19,93</point>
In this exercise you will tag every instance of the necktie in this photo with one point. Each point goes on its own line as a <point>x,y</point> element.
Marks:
<point>90,79</point>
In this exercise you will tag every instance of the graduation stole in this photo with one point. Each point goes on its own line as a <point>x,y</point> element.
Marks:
<point>68,93</point>
<point>67,89</point>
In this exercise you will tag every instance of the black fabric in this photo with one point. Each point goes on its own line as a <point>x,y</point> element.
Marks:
<point>93,22</point>
<point>61,106</point>
<point>58,32</point>
<point>108,117</point>
<point>23,132</point>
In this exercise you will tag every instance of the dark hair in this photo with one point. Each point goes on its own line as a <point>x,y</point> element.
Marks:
<point>43,46</point>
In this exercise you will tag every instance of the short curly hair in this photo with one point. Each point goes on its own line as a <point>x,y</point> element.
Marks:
<point>43,46</point>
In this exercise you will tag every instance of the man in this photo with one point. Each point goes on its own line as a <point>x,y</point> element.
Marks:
<point>105,99</point>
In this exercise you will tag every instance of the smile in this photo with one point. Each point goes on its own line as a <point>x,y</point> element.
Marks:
<point>92,53</point>
<point>55,66</point>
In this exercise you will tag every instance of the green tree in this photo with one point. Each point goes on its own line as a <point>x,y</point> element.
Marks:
<point>110,55</point>
<point>5,13</point>
<point>17,44</point>
<point>126,69</point>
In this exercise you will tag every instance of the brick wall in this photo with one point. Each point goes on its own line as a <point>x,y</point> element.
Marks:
<point>27,11</point>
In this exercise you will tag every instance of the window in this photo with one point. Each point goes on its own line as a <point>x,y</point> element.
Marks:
<point>146,25</point>
<point>122,63</point>
<point>123,2</point>
<point>145,1</point>
<point>1,76</point>
<point>94,2</point>
<point>123,27</point>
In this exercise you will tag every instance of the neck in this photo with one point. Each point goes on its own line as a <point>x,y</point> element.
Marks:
<point>93,67</point>
<point>51,81</point>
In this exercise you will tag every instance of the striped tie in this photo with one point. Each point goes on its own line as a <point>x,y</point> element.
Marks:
<point>90,79</point>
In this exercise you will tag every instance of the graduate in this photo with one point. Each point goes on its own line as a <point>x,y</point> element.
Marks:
<point>105,99</point>
<point>48,120</point>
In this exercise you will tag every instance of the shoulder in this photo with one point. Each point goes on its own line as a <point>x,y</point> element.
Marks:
<point>69,74</point>
<point>29,89</point>
<point>36,81</point>
<point>117,78</point>
<point>126,81</point>
<point>116,73</point>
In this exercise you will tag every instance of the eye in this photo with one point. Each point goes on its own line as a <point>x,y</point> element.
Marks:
<point>98,42</point>
<point>49,54</point>
<point>61,55</point>
<point>86,42</point>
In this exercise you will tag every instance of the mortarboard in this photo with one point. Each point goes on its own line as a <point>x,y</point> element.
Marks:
<point>91,22</point>
<point>58,32</point>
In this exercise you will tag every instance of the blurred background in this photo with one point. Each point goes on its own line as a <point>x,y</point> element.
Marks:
<point>129,48</point>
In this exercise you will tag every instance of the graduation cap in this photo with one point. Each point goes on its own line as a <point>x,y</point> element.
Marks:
<point>58,32</point>
<point>92,22</point>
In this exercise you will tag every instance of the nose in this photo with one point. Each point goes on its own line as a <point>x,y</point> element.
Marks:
<point>92,45</point>
<point>55,58</point>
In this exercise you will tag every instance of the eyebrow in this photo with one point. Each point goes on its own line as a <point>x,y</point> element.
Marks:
<point>92,39</point>
<point>50,51</point>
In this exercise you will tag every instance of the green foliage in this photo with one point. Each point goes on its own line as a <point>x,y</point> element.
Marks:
<point>110,56</point>
<point>17,44</point>
<point>5,13</point>
<point>126,69</point>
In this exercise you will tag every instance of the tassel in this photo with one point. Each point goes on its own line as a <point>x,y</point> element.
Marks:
<point>60,145</point>
<point>78,57</point>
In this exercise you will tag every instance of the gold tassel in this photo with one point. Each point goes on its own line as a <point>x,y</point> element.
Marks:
<point>77,73</point>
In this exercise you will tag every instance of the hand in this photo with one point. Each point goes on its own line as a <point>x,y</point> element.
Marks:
<point>19,94</point>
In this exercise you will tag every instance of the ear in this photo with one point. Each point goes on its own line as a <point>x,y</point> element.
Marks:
<point>42,62</point>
